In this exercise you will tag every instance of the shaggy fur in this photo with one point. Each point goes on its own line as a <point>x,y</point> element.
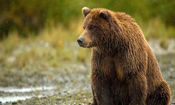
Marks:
<point>124,69</point>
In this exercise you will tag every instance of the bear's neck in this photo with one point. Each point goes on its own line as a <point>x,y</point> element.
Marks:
<point>106,51</point>
<point>114,49</point>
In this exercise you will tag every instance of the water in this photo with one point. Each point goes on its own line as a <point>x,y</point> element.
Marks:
<point>23,93</point>
<point>29,89</point>
<point>14,98</point>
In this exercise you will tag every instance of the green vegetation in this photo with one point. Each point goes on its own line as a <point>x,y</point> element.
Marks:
<point>29,17</point>
<point>52,46</point>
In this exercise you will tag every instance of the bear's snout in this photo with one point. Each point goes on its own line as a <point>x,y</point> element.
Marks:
<point>80,42</point>
<point>84,40</point>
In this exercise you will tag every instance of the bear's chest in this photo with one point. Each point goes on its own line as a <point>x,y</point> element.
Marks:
<point>107,67</point>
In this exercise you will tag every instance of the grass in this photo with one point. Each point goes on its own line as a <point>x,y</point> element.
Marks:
<point>156,29</point>
<point>52,45</point>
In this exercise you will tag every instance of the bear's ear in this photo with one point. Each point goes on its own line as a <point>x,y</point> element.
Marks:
<point>86,11</point>
<point>104,14</point>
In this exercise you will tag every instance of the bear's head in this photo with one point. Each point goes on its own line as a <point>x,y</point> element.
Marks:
<point>97,28</point>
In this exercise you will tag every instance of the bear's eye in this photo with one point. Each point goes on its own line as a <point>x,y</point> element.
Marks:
<point>91,27</point>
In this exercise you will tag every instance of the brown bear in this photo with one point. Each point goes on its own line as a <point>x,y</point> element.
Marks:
<point>124,69</point>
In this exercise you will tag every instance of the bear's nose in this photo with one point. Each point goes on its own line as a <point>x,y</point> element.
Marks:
<point>80,41</point>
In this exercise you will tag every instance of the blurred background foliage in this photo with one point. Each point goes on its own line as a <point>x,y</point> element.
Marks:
<point>28,17</point>
<point>34,31</point>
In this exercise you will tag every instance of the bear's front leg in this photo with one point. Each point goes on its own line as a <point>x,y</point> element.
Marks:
<point>94,100</point>
<point>137,85</point>
<point>102,94</point>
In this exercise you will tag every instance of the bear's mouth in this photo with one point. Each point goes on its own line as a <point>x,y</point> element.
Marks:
<point>86,45</point>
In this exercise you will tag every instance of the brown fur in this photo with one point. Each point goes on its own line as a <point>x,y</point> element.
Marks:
<point>124,69</point>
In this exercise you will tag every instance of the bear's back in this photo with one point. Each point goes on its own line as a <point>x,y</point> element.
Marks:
<point>123,17</point>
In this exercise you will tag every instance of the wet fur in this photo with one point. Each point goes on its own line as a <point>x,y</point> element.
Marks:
<point>124,69</point>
